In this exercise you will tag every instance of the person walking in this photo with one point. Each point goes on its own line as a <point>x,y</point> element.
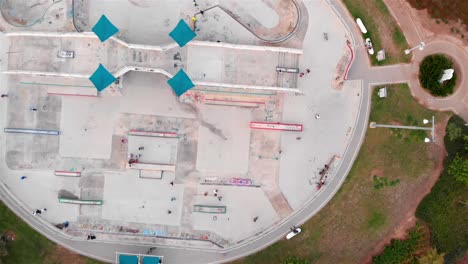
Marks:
<point>37,211</point>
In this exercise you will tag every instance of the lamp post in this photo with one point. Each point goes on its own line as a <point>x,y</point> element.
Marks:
<point>420,47</point>
<point>425,121</point>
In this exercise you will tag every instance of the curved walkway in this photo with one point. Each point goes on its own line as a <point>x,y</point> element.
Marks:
<point>458,102</point>
<point>262,32</point>
<point>408,73</point>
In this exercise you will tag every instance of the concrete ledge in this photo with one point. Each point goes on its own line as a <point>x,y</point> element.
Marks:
<point>67,173</point>
<point>150,166</point>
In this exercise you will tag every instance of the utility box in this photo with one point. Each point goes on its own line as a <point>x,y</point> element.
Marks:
<point>383,92</point>
<point>68,54</point>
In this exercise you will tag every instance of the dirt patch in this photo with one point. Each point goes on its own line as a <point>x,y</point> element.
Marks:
<point>386,35</point>
<point>438,154</point>
<point>443,9</point>
<point>432,27</point>
<point>10,235</point>
<point>377,172</point>
<point>60,254</point>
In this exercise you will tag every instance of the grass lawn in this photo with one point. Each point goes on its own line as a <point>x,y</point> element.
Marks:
<point>360,215</point>
<point>31,247</point>
<point>381,29</point>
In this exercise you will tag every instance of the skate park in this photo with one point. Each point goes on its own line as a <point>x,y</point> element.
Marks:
<point>201,162</point>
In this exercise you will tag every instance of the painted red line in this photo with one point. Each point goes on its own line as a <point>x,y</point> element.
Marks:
<point>83,95</point>
<point>252,126</point>
<point>276,129</point>
<point>274,123</point>
<point>351,61</point>
<point>233,101</point>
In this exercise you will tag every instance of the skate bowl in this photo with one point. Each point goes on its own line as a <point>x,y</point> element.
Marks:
<point>25,13</point>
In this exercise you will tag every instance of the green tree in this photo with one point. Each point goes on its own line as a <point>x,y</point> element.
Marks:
<point>459,169</point>
<point>431,70</point>
<point>3,246</point>
<point>465,142</point>
<point>453,131</point>
<point>432,257</point>
<point>295,260</point>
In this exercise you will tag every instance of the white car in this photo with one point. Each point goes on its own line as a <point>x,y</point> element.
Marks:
<point>369,46</point>
<point>293,233</point>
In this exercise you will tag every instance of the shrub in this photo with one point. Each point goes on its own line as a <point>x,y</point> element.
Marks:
<point>295,260</point>
<point>458,169</point>
<point>400,251</point>
<point>443,208</point>
<point>432,257</point>
<point>3,246</point>
<point>430,72</point>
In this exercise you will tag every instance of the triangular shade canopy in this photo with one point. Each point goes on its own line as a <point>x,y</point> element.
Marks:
<point>102,78</point>
<point>104,29</point>
<point>180,83</point>
<point>182,33</point>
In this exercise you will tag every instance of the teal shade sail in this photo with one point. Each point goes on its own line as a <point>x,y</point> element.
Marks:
<point>180,83</point>
<point>128,259</point>
<point>102,78</point>
<point>104,29</point>
<point>182,33</point>
<point>151,260</point>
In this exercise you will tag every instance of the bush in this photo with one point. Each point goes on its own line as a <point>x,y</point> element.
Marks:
<point>295,260</point>
<point>400,251</point>
<point>3,246</point>
<point>430,72</point>
<point>443,209</point>
<point>458,169</point>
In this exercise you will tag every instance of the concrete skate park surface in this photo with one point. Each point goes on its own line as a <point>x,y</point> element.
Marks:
<point>259,178</point>
<point>235,22</point>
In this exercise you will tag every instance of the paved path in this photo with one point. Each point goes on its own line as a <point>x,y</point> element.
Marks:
<point>408,73</point>
<point>457,102</point>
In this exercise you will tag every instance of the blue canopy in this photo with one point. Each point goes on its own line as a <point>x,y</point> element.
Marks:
<point>151,260</point>
<point>128,259</point>
<point>180,83</point>
<point>102,78</point>
<point>104,29</point>
<point>182,33</point>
